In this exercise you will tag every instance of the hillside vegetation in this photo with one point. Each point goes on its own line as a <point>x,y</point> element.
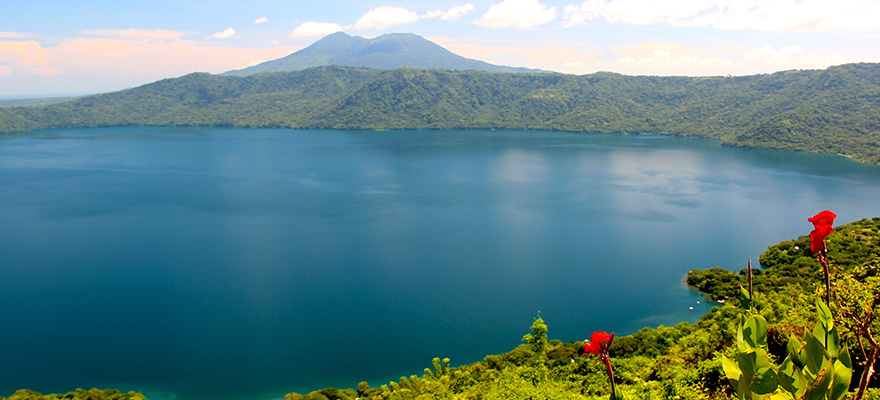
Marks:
<point>831,111</point>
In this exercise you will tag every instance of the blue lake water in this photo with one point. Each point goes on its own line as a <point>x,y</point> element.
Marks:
<point>200,264</point>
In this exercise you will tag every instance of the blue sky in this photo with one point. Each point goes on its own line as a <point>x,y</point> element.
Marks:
<point>90,46</point>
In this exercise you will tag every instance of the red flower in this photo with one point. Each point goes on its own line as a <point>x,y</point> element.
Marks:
<point>823,219</point>
<point>597,341</point>
<point>823,222</point>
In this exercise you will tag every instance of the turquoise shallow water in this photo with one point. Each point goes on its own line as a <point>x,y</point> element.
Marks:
<point>245,264</point>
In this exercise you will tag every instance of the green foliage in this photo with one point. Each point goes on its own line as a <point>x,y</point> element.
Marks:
<point>538,337</point>
<point>718,282</point>
<point>831,111</point>
<point>817,368</point>
<point>78,394</point>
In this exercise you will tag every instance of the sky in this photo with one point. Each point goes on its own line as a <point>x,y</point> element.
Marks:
<point>64,47</point>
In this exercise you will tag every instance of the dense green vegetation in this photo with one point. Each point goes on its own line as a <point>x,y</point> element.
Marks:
<point>35,101</point>
<point>678,362</point>
<point>79,394</point>
<point>832,111</point>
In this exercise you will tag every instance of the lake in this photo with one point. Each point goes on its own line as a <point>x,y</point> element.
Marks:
<point>199,264</point>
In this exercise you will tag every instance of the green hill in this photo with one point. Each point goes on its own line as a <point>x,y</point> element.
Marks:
<point>831,111</point>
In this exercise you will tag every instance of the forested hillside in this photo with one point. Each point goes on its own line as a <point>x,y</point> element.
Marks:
<point>832,111</point>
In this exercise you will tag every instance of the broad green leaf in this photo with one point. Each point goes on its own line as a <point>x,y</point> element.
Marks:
<point>795,350</point>
<point>765,381</point>
<point>825,316</point>
<point>746,362</point>
<point>745,298</point>
<point>816,356</point>
<point>762,359</point>
<point>833,345</point>
<point>843,357</point>
<point>731,370</point>
<point>818,388</point>
<point>791,378</point>
<point>742,390</point>
<point>842,375</point>
<point>755,332</point>
<point>780,396</point>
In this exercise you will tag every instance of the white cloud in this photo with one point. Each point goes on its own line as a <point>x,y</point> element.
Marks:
<point>578,14</point>
<point>261,20</point>
<point>764,15</point>
<point>24,57</point>
<point>385,16</point>
<point>227,33</point>
<point>452,13</point>
<point>517,14</point>
<point>432,14</point>
<point>312,28</point>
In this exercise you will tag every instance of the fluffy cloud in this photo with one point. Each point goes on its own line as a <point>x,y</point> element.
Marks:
<point>227,33</point>
<point>517,14</point>
<point>385,16</point>
<point>312,28</point>
<point>452,13</point>
<point>261,20</point>
<point>767,15</point>
<point>24,57</point>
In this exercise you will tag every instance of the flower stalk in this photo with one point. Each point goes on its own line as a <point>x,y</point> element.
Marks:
<point>598,344</point>
<point>823,225</point>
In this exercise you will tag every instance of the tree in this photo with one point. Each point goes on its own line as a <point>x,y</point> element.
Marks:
<point>538,337</point>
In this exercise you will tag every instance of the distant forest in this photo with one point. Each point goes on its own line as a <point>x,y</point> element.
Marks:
<point>836,110</point>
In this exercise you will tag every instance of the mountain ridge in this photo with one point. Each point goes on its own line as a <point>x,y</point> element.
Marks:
<point>829,111</point>
<point>390,51</point>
